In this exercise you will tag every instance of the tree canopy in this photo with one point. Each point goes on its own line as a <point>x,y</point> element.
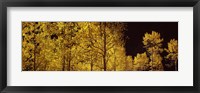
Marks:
<point>90,46</point>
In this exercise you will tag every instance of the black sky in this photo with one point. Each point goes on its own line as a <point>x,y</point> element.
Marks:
<point>136,30</point>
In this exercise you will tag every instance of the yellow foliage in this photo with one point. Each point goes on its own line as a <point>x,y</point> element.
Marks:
<point>153,44</point>
<point>81,46</point>
<point>88,46</point>
<point>153,39</point>
<point>141,62</point>
<point>172,50</point>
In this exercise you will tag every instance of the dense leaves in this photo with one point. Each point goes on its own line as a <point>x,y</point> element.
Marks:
<point>172,53</point>
<point>153,43</point>
<point>89,46</point>
<point>141,62</point>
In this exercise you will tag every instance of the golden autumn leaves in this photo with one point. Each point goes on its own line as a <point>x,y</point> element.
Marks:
<point>153,43</point>
<point>88,46</point>
<point>152,59</point>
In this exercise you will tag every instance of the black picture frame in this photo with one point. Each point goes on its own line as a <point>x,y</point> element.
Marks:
<point>100,3</point>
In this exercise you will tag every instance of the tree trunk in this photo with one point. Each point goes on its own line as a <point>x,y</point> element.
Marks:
<point>91,64</point>
<point>34,64</point>
<point>152,62</point>
<point>63,68</point>
<point>69,60</point>
<point>126,63</point>
<point>70,57</point>
<point>104,43</point>
<point>175,65</point>
<point>45,66</point>
<point>132,65</point>
<point>35,47</point>
<point>69,65</point>
<point>114,61</point>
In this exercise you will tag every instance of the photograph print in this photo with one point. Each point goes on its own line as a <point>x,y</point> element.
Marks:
<point>99,46</point>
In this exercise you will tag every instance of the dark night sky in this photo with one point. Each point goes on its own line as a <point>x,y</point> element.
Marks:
<point>136,30</point>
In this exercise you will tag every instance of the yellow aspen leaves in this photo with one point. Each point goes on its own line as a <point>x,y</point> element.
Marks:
<point>90,46</point>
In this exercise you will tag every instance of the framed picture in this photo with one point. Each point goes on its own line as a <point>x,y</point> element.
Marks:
<point>99,46</point>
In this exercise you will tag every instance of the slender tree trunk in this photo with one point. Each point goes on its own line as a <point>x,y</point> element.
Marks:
<point>104,43</point>
<point>35,47</point>
<point>69,59</point>
<point>114,61</point>
<point>152,62</point>
<point>69,66</point>
<point>115,66</point>
<point>70,54</point>
<point>45,66</point>
<point>34,60</point>
<point>132,65</point>
<point>91,64</point>
<point>63,68</point>
<point>91,67</point>
<point>175,65</point>
<point>69,62</point>
<point>64,48</point>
